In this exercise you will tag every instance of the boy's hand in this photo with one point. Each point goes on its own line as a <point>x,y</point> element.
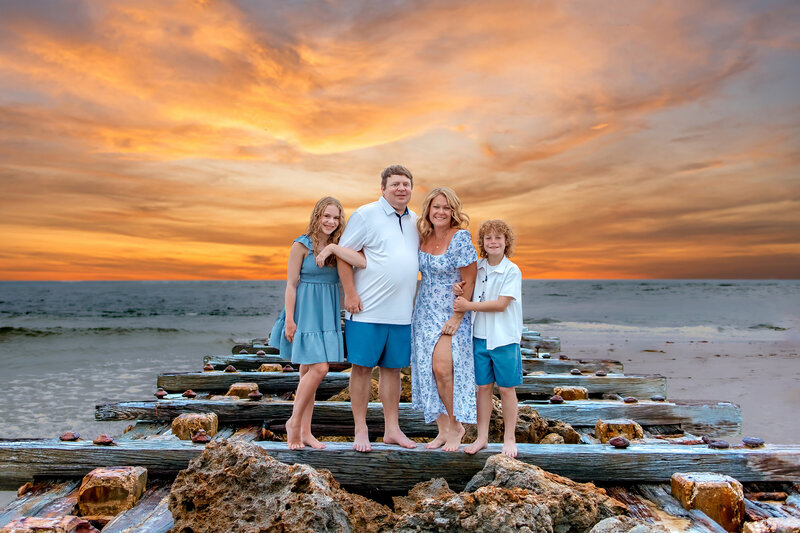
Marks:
<point>458,288</point>
<point>451,326</point>
<point>460,305</point>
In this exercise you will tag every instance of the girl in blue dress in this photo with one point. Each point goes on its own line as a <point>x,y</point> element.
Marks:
<point>309,329</point>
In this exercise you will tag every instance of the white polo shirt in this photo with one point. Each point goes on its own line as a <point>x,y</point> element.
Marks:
<point>504,279</point>
<point>391,245</point>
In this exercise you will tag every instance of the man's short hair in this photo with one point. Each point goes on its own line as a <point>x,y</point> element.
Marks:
<point>400,170</point>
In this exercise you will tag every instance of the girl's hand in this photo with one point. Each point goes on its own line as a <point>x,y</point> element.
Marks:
<point>290,330</point>
<point>460,305</point>
<point>451,326</point>
<point>458,288</point>
<point>324,254</point>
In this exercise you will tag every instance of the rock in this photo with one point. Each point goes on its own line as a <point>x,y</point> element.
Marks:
<point>531,428</point>
<point>185,425</point>
<point>571,506</point>
<point>719,496</point>
<point>605,430</point>
<point>552,438</point>
<point>405,391</point>
<point>437,489</point>
<point>773,525</point>
<point>59,524</point>
<point>270,367</point>
<point>106,492</point>
<point>242,390</point>
<point>625,524</point>
<point>237,486</point>
<point>572,393</point>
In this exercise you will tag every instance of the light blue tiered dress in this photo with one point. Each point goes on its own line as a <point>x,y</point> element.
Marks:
<point>434,306</point>
<point>316,312</point>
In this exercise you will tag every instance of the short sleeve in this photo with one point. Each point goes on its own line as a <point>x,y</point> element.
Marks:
<point>463,251</point>
<point>355,233</point>
<point>305,240</point>
<point>512,283</point>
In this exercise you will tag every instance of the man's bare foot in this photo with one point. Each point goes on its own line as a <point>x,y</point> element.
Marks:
<point>361,443</point>
<point>399,438</point>
<point>510,448</point>
<point>311,440</point>
<point>454,439</point>
<point>438,442</point>
<point>293,435</point>
<point>476,446</point>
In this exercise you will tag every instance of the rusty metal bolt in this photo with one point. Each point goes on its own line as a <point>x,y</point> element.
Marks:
<point>556,399</point>
<point>619,442</point>
<point>753,442</point>
<point>288,368</point>
<point>189,394</point>
<point>230,368</point>
<point>718,444</point>
<point>630,399</point>
<point>255,395</point>
<point>544,356</point>
<point>208,368</point>
<point>601,373</point>
<point>658,398</point>
<point>261,352</point>
<point>70,436</point>
<point>576,372</point>
<point>160,393</point>
<point>200,437</point>
<point>103,440</point>
<point>242,352</point>
<point>563,357</point>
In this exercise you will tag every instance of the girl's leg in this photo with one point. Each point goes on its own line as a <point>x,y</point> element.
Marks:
<point>484,416</point>
<point>298,427</point>
<point>508,397</point>
<point>443,373</point>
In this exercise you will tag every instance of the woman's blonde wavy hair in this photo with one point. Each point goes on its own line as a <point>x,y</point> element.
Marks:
<point>458,218</point>
<point>315,225</point>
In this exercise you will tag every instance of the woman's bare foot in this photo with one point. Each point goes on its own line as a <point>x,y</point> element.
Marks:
<point>477,446</point>
<point>293,437</point>
<point>361,442</point>
<point>311,440</point>
<point>510,448</point>
<point>438,442</point>
<point>399,438</point>
<point>454,439</point>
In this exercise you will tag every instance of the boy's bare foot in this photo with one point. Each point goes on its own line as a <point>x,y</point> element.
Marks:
<point>454,439</point>
<point>361,442</point>
<point>399,438</point>
<point>311,440</point>
<point>510,448</point>
<point>438,442</point>
<point>476,446</point>
<point>293,437</point>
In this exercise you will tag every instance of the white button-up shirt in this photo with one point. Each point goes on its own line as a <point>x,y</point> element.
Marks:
<point>391,245</point>
<point>504,279</point>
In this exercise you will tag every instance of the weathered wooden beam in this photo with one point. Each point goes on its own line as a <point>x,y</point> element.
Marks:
<point>149,515</point>
<point>36,499</point>
<point>251,361</point>
<point>393,468</point>
<point>254,346</point>
<point>717,418</point>
<point>640,386</point>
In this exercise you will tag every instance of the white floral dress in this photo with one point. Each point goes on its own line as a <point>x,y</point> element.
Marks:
<point>433,307</point>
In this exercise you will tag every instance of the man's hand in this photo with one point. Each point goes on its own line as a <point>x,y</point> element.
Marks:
<point>451,326</point>
<point>352,303</point>
<point>458,288</point>
<point>461,305</point>
<point>290,330</point>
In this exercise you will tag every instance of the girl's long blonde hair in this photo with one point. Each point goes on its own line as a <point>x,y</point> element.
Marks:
<point>458,218</point>
<point>315,226</point>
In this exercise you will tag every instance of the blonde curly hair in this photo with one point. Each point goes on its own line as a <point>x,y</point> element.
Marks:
<point>498,227</point>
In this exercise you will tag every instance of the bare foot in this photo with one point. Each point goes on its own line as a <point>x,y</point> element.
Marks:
<point>311,440</point>
<point>361,443</point>
<point>399,438</point>
<point>454,439</point>
<point>438,442</point>
<point>476,446</point>
<point>293,435</point>
<point>510,448</point>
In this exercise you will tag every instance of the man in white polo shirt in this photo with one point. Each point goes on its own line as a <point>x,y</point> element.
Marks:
<point>379,300</point>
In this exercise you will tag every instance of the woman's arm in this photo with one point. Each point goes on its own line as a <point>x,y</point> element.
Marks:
<point>356,259</point>
<point>468,275</point>
<point>296,256</point>
<point>492,306</point>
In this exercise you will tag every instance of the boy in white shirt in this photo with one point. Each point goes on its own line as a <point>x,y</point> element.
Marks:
<point>497,329</point>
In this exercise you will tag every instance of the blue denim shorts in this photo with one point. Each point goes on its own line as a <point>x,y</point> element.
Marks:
<point>383,345</point>
<point>503,365</point>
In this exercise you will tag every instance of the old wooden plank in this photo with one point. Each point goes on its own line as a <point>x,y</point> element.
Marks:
<point>37,498</point>
<point>255,346</point>
<point>391,467</point>
<point>268,382</point>
<point>640,386</point>
<point>149,515</point>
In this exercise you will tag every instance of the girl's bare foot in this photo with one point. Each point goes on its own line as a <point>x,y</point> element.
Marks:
<point>510,448</point>
<point>438,442</point>
<point>361,442</point>
<point>477,446</point>
<point>310,440</point>
<point>454,439</point>
<point>399,438</point>
<point>293,437</point>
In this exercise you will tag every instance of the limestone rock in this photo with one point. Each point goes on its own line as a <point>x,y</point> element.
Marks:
<point>106,492</point>
<point>531,428</point>
<point>405,391</point>
<point>237,486</point>
<point>571,506</point>
<point>186,424</point>
<point>241,390</point>
<point>719,496</point>
<point>552,438</point>
<point>625,524</point>
<point>59,524</point>
<point>604,430</point>
<point>572,393</point>
<point>773,525</point>
<point>270,367</point>
<point>437,489</point>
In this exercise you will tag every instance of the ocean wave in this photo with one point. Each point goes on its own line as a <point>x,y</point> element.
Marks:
<point>541,321</point>
<point>10,332</point>
<point>768,326</point>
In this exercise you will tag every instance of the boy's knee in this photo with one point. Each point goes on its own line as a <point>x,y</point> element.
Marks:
<point>360,371</point>
<point>484,388</point>
<point>504,391</point>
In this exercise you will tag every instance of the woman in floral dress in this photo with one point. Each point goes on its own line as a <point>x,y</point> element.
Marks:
<point>442,367</point>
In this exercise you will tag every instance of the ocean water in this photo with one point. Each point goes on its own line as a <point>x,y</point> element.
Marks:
<point>66,346</point>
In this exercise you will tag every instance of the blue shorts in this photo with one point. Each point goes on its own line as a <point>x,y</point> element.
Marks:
<point>383,345</point>
<point>503,365</point>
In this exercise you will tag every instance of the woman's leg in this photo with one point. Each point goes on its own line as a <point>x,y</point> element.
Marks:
<point>508,397</point>
<point>484,415</point>
<point>298,427</point>
<point>443,373</point>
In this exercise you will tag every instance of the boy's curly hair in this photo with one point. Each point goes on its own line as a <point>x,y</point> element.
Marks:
<point>496,226</point>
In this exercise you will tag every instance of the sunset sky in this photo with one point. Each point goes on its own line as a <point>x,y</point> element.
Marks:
<point>190,139</point>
